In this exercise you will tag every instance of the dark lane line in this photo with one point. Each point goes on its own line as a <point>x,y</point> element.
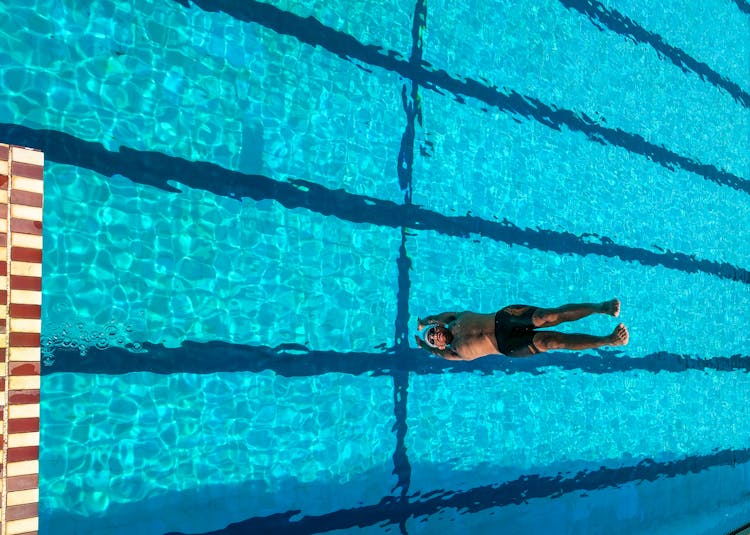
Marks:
<point>412,108</point>
<point>156,169</point>
<point>291,360</point>
<point>392,511</point>
<point>401,465</point>
<point>617,22</point>
<point>311,31</point>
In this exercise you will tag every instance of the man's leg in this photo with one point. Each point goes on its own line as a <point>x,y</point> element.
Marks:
<point>549,340</point>
<point>549,317</point>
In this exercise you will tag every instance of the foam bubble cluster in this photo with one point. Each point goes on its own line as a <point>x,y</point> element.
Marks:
<point>82,337</point>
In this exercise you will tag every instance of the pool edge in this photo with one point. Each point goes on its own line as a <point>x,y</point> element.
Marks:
<point>21,202</point>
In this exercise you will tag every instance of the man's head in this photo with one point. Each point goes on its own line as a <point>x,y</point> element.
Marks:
<point>436,336</point>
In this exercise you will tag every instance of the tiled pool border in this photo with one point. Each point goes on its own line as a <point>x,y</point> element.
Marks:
<point>21,200</point>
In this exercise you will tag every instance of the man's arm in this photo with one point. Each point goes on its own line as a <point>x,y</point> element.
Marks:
<point>444,318</point>
<point>447,354</point>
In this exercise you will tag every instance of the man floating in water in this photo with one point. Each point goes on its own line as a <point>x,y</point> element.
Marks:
<point>513,331</point>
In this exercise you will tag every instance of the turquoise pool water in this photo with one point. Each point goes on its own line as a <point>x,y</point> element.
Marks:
<point>248,205</point>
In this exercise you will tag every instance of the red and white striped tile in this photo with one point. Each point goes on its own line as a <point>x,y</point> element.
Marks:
<point>21,202</point>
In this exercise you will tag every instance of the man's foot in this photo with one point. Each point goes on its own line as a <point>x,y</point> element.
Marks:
<point>620,336</point>
<point>611,307</point>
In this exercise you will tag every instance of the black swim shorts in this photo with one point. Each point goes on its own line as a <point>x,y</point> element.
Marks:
<point>515,332</point>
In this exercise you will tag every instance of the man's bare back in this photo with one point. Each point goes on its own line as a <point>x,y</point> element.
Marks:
<point>513,331</point>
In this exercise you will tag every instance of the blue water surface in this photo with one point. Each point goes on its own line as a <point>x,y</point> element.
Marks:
<point>248,204</point>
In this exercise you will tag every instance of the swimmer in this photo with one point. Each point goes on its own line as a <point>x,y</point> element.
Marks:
<point>513,331</point>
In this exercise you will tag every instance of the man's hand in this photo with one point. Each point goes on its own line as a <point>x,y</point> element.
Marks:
<point>429,320</point>
<point>444,318</point>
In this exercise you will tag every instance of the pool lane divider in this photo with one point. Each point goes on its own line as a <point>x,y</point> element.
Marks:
<point>21,200</point>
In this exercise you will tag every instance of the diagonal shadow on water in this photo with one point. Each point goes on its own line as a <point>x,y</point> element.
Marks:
<point>157,169</point>
<point>290,360</point>
<point>743,6</point>
<point>311,31</point>
<point>601,17</point>
<point>518,491</point>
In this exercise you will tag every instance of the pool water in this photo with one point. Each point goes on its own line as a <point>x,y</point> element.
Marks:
<point>248,205</point>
